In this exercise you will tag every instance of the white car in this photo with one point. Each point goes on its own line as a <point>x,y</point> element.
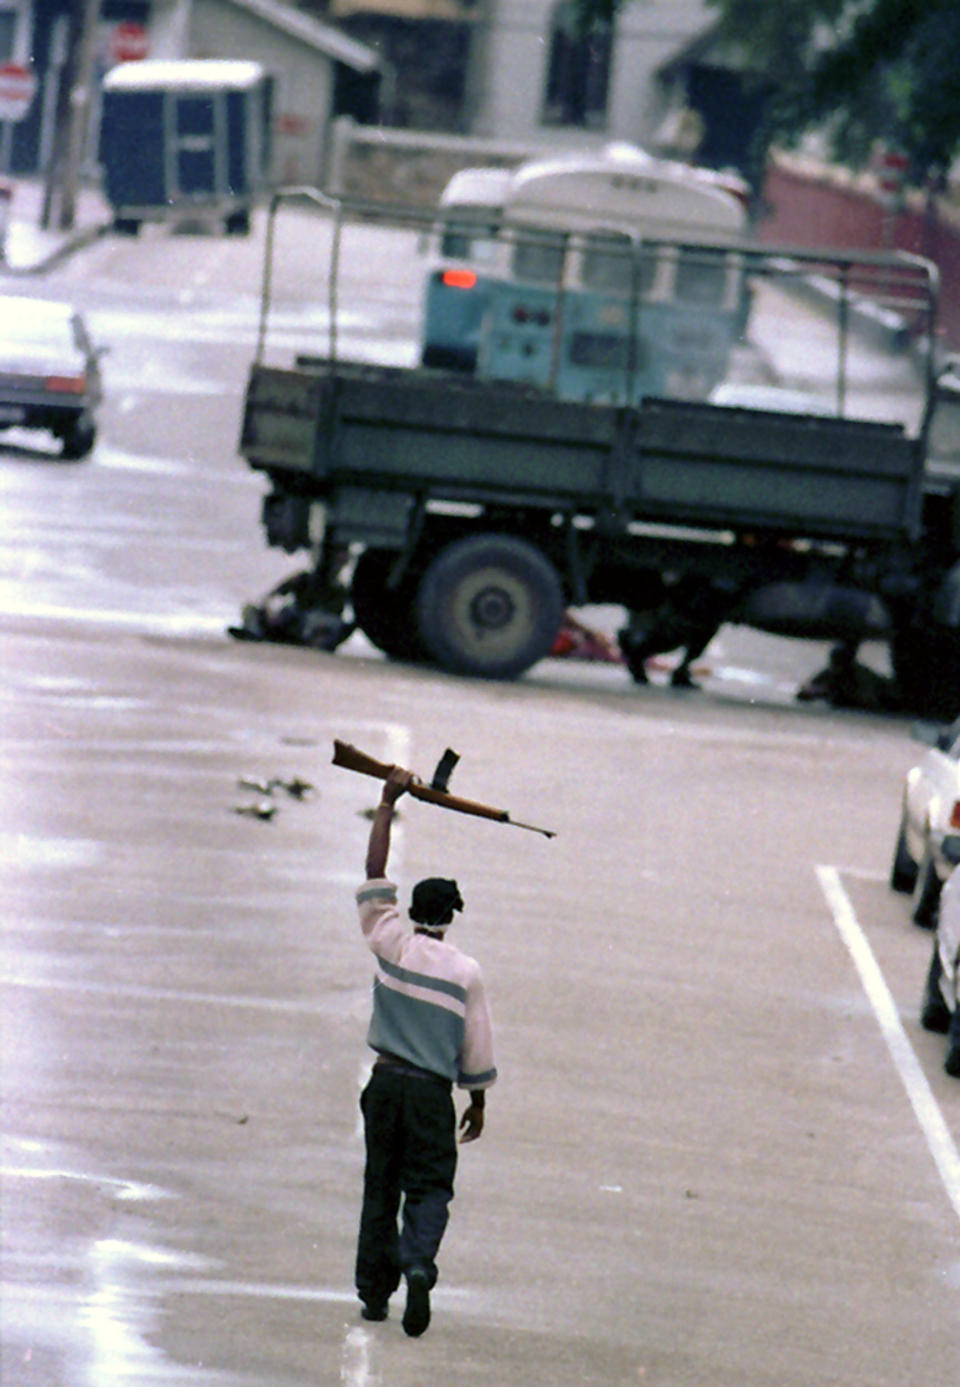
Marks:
<point>940,1010</point>
<point>930,814</point>
<point>49,372</point>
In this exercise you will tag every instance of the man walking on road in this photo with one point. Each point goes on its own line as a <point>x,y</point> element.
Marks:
<point>430,1029</point>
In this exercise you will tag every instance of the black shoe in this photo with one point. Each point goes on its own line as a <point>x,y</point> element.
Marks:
<point>952,1062</point>
<point>374,1312</point>
<point>681,678</point>
<point>634,662</point>
<point>416,1315</point>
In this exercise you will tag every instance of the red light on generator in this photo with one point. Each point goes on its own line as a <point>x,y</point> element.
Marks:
<point>459,279</point>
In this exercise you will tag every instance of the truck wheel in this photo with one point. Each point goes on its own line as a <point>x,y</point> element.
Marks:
<point>490,605</point>
<point>934,1012</point>
<point>926,894</point>
<point>386,616</point>
<point>903,870</point>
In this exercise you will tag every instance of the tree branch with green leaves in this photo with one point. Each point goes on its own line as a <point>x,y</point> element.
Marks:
<point>858,70</point>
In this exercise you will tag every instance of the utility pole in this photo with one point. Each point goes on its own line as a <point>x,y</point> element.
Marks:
<point>78,120</point>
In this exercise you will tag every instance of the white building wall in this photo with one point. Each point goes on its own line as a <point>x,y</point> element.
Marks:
<point>303,92</point>
<point>507,86</point>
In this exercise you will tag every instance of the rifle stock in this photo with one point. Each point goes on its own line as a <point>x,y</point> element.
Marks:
<point>352,759</point>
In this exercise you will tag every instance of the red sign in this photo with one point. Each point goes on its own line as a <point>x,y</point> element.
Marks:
<point>892,167</point>
<point>129,42</point>
<point>18,87</point>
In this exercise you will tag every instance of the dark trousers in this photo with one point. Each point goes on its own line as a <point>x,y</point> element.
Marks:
<point>410,1128</point>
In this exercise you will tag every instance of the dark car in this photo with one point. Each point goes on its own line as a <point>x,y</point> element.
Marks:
<point>49,372</point>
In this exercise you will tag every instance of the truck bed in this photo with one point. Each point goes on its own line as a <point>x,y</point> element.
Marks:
<point>448,437</point>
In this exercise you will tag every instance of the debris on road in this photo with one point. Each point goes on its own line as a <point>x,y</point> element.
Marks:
<point>261,810</point>
<point>295,788</point>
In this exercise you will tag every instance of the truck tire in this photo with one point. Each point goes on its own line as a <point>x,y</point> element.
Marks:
<point>490,605</point>
<point>386,616</point>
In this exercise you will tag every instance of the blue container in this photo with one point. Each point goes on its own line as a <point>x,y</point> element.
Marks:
<point>185,140</point>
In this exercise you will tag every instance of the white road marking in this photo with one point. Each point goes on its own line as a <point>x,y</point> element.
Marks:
<point>167,994</point>
<point>129,1190</point>
<point>356,1369</point>
<point>924,1104</point>
<point>861,874</point>
<point>158,623</point>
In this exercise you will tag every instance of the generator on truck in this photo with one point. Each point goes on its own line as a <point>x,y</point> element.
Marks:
<point>613,195</point>
<point>458,516</point>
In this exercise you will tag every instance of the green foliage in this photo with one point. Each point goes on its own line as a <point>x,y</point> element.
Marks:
<point>861,69</point>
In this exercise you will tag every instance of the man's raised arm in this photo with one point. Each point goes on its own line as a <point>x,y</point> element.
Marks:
<point>378,848</point>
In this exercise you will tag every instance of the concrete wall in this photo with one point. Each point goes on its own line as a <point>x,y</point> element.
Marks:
<point>408,167</point>
<point>810,205</point>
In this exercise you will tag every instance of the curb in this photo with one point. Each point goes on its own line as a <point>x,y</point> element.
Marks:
<point>48,261</point>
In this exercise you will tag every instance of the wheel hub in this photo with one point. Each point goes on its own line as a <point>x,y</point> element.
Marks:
<point>492,608</point>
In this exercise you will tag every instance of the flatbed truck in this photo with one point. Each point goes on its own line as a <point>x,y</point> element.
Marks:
<point>460,516</point>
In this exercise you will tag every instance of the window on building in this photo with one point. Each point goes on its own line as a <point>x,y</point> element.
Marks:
<point>578,70</point>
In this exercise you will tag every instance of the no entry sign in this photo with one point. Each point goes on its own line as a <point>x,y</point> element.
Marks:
<point>129,42</point>
<point>18,87</point>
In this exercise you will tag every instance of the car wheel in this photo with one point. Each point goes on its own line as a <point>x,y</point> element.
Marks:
<point>926,894</point>
<point>934,1012</point>
<point>903,870</point>
<point>78,440</point>
<point>238,224</point>
<point>490,605</point>
<point>386,616</point>
<point>952,1062</point>
<point>126,226</point>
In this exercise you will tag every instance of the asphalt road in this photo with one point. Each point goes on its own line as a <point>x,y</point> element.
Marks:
<point>721,1151</point>
<point>701,1163</point>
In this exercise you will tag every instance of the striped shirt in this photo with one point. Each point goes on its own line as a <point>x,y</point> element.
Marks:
<point>429,1004</point>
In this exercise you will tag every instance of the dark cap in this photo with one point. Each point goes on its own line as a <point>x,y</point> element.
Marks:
<point>432,901</point>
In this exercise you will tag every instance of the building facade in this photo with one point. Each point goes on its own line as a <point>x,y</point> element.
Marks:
<point>536,78</point>
<point>318,71</point>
